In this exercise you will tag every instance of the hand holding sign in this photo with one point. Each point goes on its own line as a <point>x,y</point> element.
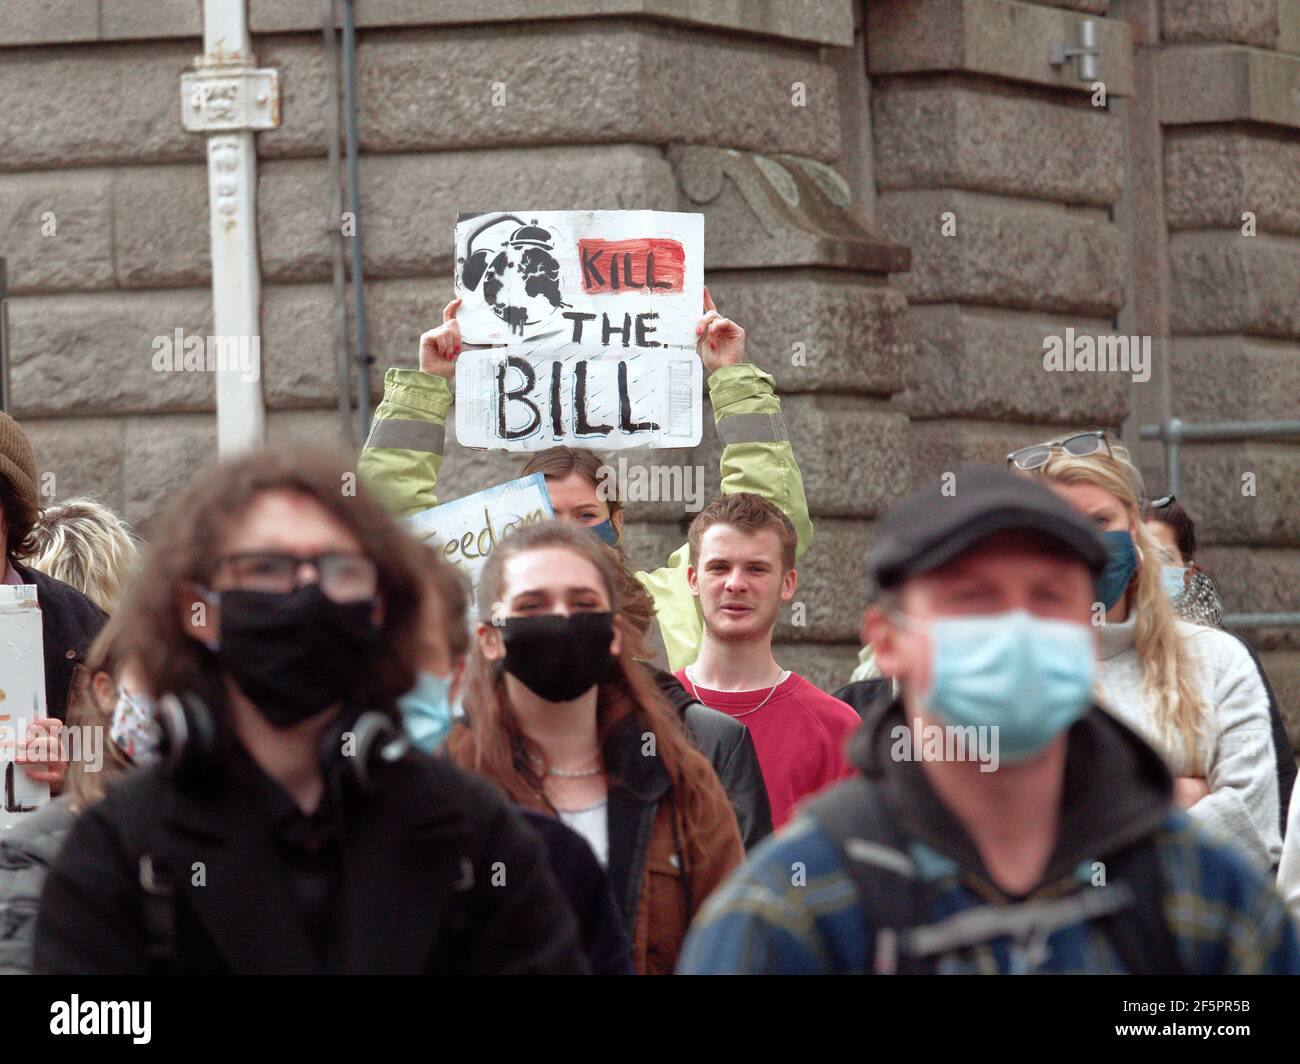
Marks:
<point>43,753</point>
<point>439,347</point>
<point>721,341</point>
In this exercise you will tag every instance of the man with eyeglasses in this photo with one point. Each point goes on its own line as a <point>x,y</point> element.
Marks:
<point>1066,857</point>
<point>290,829</point>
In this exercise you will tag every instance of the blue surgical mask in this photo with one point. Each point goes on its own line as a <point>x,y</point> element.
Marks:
<point>427,712</point>
<point>1173,580</point>
<point>606,531</point>
<point>1026,676</point>
<point>1121,564</point>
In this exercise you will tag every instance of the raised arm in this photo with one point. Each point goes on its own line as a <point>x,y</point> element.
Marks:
<point>403,453</point>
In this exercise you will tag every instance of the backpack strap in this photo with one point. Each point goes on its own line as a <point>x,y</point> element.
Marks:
<point>1140,933</point>
<point>894,897</point>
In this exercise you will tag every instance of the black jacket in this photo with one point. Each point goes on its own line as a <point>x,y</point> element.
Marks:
<point>69,624</point>
<point>421,889</point>
<point>586,888</point>
<point>727,744</point>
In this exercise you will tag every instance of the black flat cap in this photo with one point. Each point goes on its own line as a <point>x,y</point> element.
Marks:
<point>930,528</point>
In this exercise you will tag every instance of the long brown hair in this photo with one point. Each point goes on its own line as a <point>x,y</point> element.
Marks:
<point>184,551</point>
<point>85,712</point>
<point>1167,666</point>
<point>501,750</point>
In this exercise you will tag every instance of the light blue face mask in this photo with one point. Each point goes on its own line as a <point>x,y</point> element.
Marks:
<point>427,712</point>
<point>606,531</point>
<point>1028,677</point>
<point>1122,560</point>
<point>1173,578</point>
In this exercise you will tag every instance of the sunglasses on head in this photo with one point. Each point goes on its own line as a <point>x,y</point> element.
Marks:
<point>1163,501</point>
<point>1080,445</point>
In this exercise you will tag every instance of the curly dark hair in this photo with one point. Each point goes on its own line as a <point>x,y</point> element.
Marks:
<point>184,552</point>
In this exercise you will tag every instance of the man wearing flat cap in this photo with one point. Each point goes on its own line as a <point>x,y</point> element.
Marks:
<point>69,620</point>
<point>1001,821</point>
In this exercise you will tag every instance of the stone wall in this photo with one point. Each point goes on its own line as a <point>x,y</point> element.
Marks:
<point>825,141</point>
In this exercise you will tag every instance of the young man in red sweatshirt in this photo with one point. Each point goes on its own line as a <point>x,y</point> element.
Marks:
<point>741,570</point>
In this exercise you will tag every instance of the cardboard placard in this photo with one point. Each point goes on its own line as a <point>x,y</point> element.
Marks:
<point>524,399</point>
<point>600,278</point>
<point>465,531</point>
<point>22,696</point>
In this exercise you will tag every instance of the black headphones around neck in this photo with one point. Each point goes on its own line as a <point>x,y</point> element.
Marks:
<point>191,754</point>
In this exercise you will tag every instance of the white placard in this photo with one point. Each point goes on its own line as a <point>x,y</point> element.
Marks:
<point>518,398</point>
<point>22,696</point>
<point>465,531</point>
<point>601,278</point>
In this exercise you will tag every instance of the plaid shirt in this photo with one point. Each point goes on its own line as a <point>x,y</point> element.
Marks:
<point>793,908</point>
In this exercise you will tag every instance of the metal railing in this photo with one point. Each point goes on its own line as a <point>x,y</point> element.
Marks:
<point>1172,432</point>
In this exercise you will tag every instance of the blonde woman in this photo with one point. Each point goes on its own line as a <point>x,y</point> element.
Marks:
<point>1194,692</point>
<point>83,543</point>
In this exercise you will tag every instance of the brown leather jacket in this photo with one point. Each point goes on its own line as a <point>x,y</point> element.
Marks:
<point>650,825</point>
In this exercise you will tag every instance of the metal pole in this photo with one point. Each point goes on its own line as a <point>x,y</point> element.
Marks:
<point>335,221</point>
<point>354,205</point>
<point>220,101</point>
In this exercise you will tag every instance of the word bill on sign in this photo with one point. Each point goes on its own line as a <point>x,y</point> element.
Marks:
<point>465,531</point>
<point>519,398</point>
<point>602,278</point>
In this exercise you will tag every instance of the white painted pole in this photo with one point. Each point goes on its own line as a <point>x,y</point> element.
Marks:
<point>236,273</point>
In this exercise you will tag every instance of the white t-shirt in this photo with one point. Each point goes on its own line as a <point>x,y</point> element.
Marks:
<point>593,825</point>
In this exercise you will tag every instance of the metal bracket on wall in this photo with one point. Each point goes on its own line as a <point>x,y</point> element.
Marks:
<point>222,97</point>
<point>1087,52</point>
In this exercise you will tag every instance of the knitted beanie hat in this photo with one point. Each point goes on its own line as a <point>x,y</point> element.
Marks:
<point>17,462</point>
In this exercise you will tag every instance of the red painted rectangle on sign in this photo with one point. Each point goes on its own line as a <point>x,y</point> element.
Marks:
<point>646,264</point>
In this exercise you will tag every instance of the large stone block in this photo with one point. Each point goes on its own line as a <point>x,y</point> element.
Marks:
<point>1234,378</point>
<point>817,21</point>
<point>48,21</point>
<point>78,457</point>
<point>409,203</point>
<point>1257,580</point>
<point>81,355</point>
<point>1242,492</point>
<point>318,430</point>
<point>1224,282</point>
<point>1214,176</point>
<point>75,106</point>
<point>488,87</point>
<point>160,227</point>
<point>953,133</point>
<point>825,665</point>
<point>940,447</point>
<point>57,230</point>
<point>1202,83</point>
<point>298,346</point>
<point>125,19</point>
<point>1003,252</point>
<point>983,363</point>
<point>831,591</point>
<point>819,330</point>
<point>998,38</point>
<point>161,457</point>
<point>1263,23</point>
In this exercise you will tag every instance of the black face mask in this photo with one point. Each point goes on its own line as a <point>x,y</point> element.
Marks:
<point>559,658</point>
<point>293,655</point>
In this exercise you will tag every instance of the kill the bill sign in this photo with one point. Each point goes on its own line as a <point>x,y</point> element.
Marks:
<point>595,312</point>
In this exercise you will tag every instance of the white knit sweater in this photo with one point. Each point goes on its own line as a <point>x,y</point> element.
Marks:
<point>1236,748</point>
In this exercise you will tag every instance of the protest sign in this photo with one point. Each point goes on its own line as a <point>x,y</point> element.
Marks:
<point>465,531</point>
<point>602,278</point>
<point>22,695</point>
<point>517,398</point>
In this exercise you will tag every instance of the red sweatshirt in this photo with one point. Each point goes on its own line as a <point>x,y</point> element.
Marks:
<point>799,736</point>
